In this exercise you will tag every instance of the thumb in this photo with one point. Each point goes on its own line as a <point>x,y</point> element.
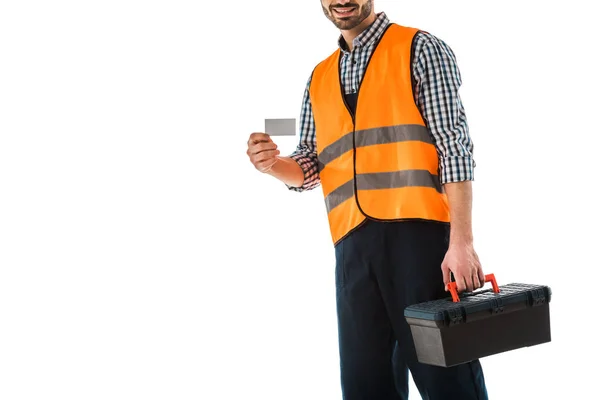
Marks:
<point>445,276</point>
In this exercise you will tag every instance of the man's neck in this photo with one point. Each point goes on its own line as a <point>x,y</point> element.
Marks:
<point>351,34</point>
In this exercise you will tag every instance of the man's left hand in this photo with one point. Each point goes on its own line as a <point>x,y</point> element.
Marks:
<point>462,260</point>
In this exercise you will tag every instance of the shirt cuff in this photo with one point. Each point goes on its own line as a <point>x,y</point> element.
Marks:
<point>456,169</point>
<point>311,173</point>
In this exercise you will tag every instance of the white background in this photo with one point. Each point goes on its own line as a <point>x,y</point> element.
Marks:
<point>142,256</point>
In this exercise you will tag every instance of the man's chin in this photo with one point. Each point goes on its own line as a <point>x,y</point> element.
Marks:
<point>347,24</point>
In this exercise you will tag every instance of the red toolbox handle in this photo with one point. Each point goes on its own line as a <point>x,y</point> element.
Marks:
<point>488,278</point>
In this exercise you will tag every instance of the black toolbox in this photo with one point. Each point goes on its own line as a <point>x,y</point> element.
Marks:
<point>464,328</point>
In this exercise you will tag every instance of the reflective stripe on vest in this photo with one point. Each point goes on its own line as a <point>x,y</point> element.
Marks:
<point>381,163</point>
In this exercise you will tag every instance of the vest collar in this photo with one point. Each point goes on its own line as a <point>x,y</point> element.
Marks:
<point>369,35</point>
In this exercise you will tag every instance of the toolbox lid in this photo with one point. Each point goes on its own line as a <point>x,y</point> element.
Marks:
<point>470,303</point>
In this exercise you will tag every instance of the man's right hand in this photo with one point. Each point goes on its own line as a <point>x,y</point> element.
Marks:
<point>262,151</point>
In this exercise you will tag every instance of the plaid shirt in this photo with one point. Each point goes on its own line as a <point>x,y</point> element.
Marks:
<point>437,80</point>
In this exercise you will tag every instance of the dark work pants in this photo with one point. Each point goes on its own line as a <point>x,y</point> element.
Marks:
<point>381,269</point>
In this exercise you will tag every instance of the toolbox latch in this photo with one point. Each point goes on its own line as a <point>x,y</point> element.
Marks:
<point>497,305</point>
<point>537,297</point>
<point>454,316</point>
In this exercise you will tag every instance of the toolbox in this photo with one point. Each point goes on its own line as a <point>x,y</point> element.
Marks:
<point>459,329</point>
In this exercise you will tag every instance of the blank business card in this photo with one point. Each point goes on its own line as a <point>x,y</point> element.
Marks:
<point>280,127</point>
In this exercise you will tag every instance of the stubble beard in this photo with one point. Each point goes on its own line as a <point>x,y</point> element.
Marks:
<point>348,23</point>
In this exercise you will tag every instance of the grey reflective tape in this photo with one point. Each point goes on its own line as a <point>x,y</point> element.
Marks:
<point>339,195</point>
<point>320,165</point>
<point>398,179</point>
<point>393,134</point>
<point>336,149</point>
<point>383,180</point>
<point>368,137</point>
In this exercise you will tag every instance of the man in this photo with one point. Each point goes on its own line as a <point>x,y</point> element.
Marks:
<point>383,131</point>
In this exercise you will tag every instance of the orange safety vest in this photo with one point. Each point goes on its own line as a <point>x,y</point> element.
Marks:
<point>380,163</point>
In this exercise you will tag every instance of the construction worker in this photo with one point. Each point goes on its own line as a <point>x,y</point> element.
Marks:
<point>383,131</point>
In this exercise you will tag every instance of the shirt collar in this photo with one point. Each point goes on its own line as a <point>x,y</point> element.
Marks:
<point>369,35</point>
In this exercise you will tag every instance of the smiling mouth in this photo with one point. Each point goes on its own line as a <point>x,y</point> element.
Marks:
<point>344,11</point>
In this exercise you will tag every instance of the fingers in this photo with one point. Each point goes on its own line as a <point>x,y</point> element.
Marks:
<point>461,286</point>
<point>264,155</point>
<point>475,280</point>
<point>478,276</point>
<point>467,283</point>
<point>471,282</point>
<point>481,275</point>
<point>262,151</point>
<point>258,137</point>
<point>261,147</point>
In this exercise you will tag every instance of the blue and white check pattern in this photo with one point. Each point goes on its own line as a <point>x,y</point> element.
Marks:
<point>437,80</point>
